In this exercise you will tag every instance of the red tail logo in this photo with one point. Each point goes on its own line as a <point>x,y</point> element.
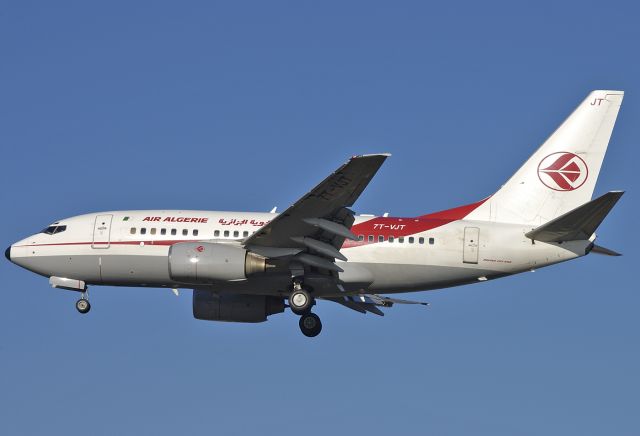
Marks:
<point>563,171</point>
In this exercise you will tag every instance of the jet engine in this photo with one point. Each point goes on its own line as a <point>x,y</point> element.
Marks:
<point>210,306</point>
<point>206,262</point>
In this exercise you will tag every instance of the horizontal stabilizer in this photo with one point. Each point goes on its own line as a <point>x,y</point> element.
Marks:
<point>605,251</point>
<point>579,223</point>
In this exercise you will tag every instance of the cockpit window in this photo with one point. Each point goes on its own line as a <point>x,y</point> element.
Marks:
<point>52,230</point>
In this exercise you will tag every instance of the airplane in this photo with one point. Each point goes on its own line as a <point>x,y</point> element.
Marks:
<point>247,266</point>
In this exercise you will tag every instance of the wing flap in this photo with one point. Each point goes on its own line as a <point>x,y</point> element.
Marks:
<point>319,246</point>
<point>331,227</point>
<point>364,303</point>
<point>317,261</point>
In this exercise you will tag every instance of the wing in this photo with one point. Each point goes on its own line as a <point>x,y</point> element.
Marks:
<point>314,228</point>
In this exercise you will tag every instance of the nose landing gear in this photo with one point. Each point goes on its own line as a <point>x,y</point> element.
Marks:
<point>82,305</point>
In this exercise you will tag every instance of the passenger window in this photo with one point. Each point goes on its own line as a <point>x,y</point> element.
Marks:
<point>245,233</point>
<point>411,240</point>
<point>420,240</point>
<point>360,237</point>
<point>226,233</point>
<point>216,233</point>
<point>163,231</point>
<point>185,232</point>
<point>173,232</point>
<point>370,238</point>
<point>132,231</point>
<point>431,241</point>
<point>380,238</point>
<point>153,231</point>
<point>391,238</point>
<point>401,240</point>
<point>143,231</point>
<point>236,234</point>
<point>195,232</point>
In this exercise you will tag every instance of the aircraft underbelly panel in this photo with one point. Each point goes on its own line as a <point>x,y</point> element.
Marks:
<point>142,269</point>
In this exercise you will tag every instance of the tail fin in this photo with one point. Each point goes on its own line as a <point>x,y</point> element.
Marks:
<point>561,175</point>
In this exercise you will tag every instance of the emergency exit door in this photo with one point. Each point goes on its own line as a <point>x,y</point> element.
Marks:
<point>102,231</point>
<point>471,245</point>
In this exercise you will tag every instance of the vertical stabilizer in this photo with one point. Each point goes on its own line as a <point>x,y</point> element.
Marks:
<point>561,175</point>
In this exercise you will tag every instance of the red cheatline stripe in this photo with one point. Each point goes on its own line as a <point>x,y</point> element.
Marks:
<point>402,227</point>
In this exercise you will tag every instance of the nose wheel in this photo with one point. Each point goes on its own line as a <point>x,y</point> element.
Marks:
<point>82,305</point>
<point>310,325</point>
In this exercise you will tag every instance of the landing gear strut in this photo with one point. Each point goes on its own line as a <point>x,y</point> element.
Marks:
<point>310,325</point>
<point>82,305</point>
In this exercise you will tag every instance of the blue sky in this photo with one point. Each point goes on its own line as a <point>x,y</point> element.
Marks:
<point>245,106</point>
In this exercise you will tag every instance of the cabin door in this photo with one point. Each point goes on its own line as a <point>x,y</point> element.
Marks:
<point>471,244</point>
<point>102,231</point>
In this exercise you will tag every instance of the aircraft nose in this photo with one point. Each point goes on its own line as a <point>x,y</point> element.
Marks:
<point>7,253</point>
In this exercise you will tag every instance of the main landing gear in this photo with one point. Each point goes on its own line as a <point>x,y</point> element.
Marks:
<point>301,302</point>
<point>82,305</point>
<point>310,325</point>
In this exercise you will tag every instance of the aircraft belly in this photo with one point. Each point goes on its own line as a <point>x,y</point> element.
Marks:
<point>103,269</point>
<point>83,267</point>
<point>389,278</point>
<point>135,270</point>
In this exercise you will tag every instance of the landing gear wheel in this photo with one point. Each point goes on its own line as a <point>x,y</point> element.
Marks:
<point>83,306</point>
<point>310,325</point>
<point>300,302</point>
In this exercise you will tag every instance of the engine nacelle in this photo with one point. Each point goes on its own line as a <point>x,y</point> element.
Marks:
<point>207,262</point>
<point>211,306</point>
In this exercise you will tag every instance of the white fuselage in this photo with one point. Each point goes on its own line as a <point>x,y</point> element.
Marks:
<point>131,248</point>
